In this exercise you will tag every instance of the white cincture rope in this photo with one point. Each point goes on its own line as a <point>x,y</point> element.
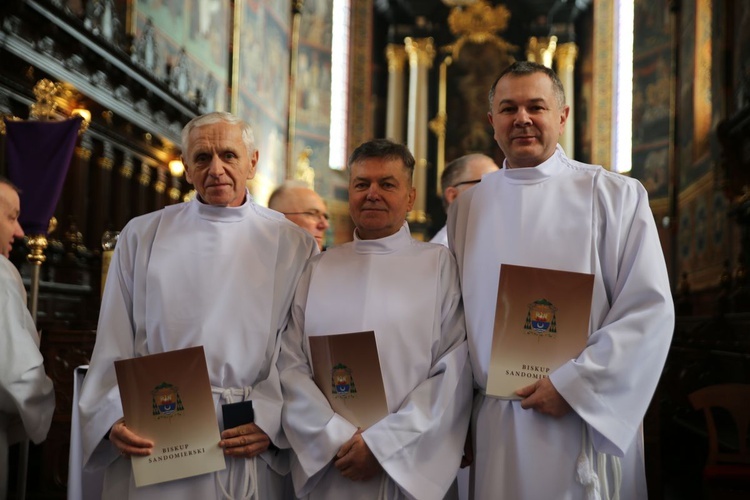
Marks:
<point>596,482</point>
<point>250,476</point>
<point>383,490</point>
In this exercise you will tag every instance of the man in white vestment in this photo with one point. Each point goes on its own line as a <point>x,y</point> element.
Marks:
<point>459,175</point>
<point>407,292</point>
<point>577,434</point>
<point>303,206</point>
<point>218,271</point>
<point>27,398</point>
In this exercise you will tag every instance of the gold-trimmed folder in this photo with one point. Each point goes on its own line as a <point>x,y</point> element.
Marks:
<point>541,322</point>
<point>346,369</point>
<point>167,399</point>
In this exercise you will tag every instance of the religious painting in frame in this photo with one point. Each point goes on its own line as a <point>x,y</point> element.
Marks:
<point>191,40</point>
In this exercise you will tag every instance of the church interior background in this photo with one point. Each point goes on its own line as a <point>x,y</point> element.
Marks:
<point>317,77</point>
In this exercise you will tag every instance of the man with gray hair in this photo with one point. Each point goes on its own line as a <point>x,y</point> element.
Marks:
<point>458,176</point>
<point>218,271</point>
<point>303,206</point>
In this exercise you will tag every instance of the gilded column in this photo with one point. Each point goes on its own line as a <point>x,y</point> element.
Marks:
<point>175,190</point>
<point>438,124</point>
<point>600,116</point>
<point>76,187</point>
<point>101,195</point>
<point>566,61</point>
<point>122,192</point>
<point>144,180</point>
<point>421,52</point>
<point>160,188</point>
<point>541,50</point>
<point>394,121</point>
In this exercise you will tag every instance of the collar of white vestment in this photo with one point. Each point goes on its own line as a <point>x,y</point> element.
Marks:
<point>540,173</point>
<point>397,241</point>
<point>223,214</point>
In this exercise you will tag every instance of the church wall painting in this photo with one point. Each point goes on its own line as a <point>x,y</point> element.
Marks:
<point>313,89</point>
<point>705,233</point>
<point>262,86</point>
<point>193,37</point>
<point>651,102</point>
<point>741,56</point>
<point>651,113</point>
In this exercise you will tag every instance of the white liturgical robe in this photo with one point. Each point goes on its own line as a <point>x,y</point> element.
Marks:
<point>27,398</point>
<point>441,237</point>
<point>407,293</point>
<point>570,216</point>
<point>194,274</point>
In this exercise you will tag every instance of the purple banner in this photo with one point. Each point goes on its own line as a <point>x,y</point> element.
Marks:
<point>38,156</point>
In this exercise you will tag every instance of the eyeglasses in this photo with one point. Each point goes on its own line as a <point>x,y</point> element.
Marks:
<point>314,214</point>
<point>475,181</point>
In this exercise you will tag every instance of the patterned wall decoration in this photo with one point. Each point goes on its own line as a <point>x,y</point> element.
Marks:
<point>741,52</point>
<point>190,43</point>
<point>651,104</point>
<point>705,233</point>
<point>685,102</point>
<point>261,91</point>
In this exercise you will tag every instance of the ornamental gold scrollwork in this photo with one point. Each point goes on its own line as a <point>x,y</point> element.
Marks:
<point>478,23</point>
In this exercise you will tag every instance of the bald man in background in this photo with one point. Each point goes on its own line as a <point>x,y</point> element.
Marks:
<point>303,206</point>
<point>458,176</point>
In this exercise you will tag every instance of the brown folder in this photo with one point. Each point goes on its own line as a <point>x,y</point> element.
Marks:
<point>346,369</point>
<point>541,322</point>
<point>167,398</point>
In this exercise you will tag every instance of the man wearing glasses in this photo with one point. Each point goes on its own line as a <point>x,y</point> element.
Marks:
<point>302,206</point>
<point>458,176</point>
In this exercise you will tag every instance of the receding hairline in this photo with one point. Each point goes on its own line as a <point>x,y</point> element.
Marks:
<point>248,137</point>
<point>283,193</point>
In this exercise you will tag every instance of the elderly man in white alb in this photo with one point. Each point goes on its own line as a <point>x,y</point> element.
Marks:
<point>303,206</point>
<point>576,434</point>
<point>219,271</point>
<point>407,292</point>
<point>27,398</point>
<point>459,175</point>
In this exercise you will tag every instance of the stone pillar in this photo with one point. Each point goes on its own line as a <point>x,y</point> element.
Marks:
<point>394,121</point>
<point>421,52</point>
<point>566,61</point>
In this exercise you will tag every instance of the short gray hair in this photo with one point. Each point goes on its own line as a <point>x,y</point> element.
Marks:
<point>216,117</point>
<point>522,68</point>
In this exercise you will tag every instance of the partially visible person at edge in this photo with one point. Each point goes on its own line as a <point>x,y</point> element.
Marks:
<point>407,292</point>
<point>303,206</point>
<point>218,271</point>
<point>27,398</point>
<point>458,176</point>
<point>578,433</point>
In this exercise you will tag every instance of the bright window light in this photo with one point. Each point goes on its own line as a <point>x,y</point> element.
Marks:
<point>339,84</point>
<point>622,130</point>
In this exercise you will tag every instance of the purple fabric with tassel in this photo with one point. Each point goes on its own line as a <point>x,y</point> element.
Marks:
<point>39,154</point>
